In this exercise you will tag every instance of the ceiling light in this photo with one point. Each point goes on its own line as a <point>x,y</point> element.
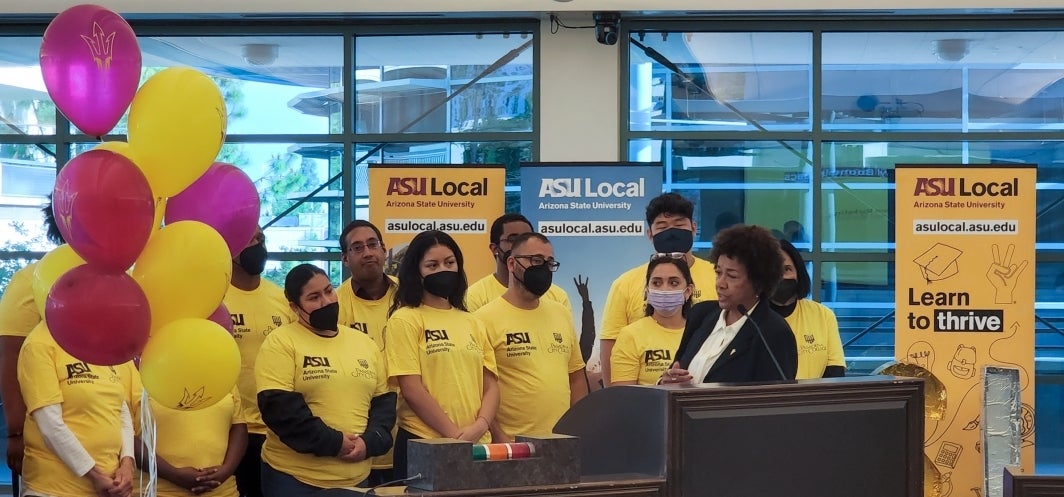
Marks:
<point>950,49</point>
<point>260,54</point>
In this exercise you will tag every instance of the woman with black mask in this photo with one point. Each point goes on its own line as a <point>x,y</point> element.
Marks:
<point>438,353</point>
<point>323,394</point>
<point>815,328</point>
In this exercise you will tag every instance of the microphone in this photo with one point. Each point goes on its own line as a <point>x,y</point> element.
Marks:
<point>373,489</point>
<point>742,310</point>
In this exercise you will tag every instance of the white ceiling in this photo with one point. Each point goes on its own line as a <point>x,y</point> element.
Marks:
<point>501,6</point>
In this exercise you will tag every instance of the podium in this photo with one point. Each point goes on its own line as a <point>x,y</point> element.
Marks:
<point>837,437</point>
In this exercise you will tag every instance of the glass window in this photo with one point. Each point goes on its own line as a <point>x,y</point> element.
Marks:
<point>720,81</point>
<point>403,83</point>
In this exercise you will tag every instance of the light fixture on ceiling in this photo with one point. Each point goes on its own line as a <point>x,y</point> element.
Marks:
<point>950,49</point>
<point>260,54</point>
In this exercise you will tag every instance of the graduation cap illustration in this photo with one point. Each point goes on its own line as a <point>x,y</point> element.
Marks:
<point>938,262</point>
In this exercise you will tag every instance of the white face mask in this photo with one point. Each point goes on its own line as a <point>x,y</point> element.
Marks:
<point>666,302</point>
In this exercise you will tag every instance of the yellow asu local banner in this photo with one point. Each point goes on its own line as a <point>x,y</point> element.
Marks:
<point>460,200</point>
<point>965,299</point>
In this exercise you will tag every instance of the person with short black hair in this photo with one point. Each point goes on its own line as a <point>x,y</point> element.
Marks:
<point>540,369</point>
<point>720,342</point>
<point>438,353</point>
<point>322,391</point>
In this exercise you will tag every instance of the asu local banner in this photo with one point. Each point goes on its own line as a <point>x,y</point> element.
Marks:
<point>460,200</point>
<point>965,298</point>
<point>595,217</point>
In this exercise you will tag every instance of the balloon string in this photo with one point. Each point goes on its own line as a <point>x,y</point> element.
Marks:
<point>147,435</point>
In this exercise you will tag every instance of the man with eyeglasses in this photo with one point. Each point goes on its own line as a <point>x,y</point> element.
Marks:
<point>364,299</point>
<point>540,369</point>
<point>504,231</point>
<point>672,231</point>
<point>257,307</point>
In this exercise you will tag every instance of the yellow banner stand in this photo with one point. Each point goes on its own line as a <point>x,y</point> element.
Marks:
<point>460,200</point>
<point>965,299</point>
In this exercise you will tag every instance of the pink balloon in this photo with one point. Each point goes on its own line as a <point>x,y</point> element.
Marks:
<point>223,198</point>
<point>222,317</point>
<point>98,316</point>
<point>91,63</point>
<point>104,208</point>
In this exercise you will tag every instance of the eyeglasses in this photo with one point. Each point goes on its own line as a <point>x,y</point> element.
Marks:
<point>536,260</point>
<point>510,239</point>
<point>358,248</point>
<point>668,255</point>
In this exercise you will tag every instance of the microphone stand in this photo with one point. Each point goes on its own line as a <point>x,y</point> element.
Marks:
<point>742,310</point>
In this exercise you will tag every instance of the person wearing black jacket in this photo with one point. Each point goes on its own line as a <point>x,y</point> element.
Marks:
<point>323,394</point>
<point>720,342</point>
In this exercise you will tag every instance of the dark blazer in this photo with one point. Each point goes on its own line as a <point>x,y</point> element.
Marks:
<point>745,359</point>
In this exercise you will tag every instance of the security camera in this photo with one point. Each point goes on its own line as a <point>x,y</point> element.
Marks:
<point>607,27</point>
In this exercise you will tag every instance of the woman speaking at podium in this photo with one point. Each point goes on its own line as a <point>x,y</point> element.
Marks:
<point>738,337</point>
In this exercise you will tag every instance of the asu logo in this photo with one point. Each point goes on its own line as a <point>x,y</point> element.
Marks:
<point>948,187</point>
<point>77,368</point>
<point>518,338</point>
<point>192,400</point>
<point>656,355</point>
<point>435,335</point>
<point>933,187</point>
<point>238,319</point>
<point>429,186</point>
<point>315,362</point>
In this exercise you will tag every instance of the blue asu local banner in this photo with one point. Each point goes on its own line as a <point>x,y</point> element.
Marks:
<point>595,217</point>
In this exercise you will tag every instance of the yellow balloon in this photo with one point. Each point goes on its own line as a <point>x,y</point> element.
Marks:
<point>176,127</point>
<point>184,271</point>
<point>190,364</point>
<point>53,265</point>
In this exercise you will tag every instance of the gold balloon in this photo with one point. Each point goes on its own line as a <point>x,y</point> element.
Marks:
<point>176,127</point>
<point>53,265</point>
<point>190,364</point>
<point>184,271</point>
<point>934,389</point>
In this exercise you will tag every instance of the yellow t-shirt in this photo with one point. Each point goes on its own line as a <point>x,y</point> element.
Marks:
<point>196,439</point>
<point>367,316</point>
<point>816,330</point>
<point>644,350</point>
<point>535,350</point>
<point>626,302</point>
<point>488,288</point>
<point>18,313</point>
<point>338,377</point>
<point>91,397</point>
<point>255,314</point>
<point>449,349</point>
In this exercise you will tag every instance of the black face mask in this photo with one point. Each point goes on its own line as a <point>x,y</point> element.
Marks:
<point>502,256</point>
<point>253,259</point>
<point>441,284</point>
<point>785,291</point>
<point>674,240</point>
<point>325,318</point>
<point>537,279</point>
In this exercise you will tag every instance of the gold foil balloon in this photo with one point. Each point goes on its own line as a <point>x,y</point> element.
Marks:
<point>934,390</point>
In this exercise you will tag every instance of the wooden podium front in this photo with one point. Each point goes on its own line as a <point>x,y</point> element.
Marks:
<point>836,437</point>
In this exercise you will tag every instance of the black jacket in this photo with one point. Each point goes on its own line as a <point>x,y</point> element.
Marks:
<point>745,359</point>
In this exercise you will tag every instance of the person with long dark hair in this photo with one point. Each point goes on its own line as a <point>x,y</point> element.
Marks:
<point>323,394</point>
<point>645,348</point>
<point>438,353</point>
<point>720,341</point>
<point>816,330</point>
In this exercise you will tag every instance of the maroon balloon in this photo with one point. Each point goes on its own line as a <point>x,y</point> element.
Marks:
<point>98,316</point>
<point>222,317</point>
<point>90,61</point>
<point>104,208</point>
<point>224,198</point>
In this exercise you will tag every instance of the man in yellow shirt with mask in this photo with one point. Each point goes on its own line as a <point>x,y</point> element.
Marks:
<point>504,231</point>
<point>538,358</point>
